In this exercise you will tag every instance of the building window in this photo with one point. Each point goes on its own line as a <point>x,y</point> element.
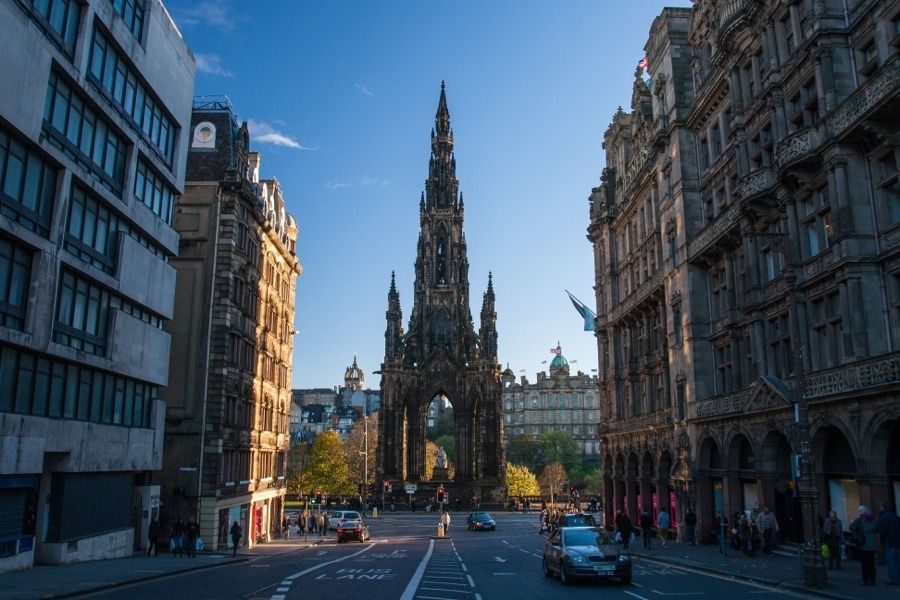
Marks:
<point>771,264</point>
<point>788,28</point>
<point>79,131</point>
<point>827,332</point>
<point>15,279</point>
<point>153,191</point>
<point>48,387</point>
<point>676,323</point>
<point>718,285</point>
<point>816,225</point>
<point>779,344</point>
<point>59,19</point>
<point>868,55</point>
<point>132,13</point>
<point>704,154</point>
<point>723,368</point>
<point>27,185</point>
<point>890,187</point>
<point>118,80</point>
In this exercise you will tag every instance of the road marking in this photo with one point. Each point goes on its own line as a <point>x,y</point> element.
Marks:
<point>471,583</point>
<point>445,590</point>
<point>498,559</point>
<point>410,590</point>
<point>678,593</point>
<point>635,595</point>
<point>283,589</point>
<point>464,567</point>
<point>435,597</point>
<point>504,573</point>
<point>441,582</point>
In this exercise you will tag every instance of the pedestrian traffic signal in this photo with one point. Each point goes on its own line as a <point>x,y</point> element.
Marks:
<point>440,495</point>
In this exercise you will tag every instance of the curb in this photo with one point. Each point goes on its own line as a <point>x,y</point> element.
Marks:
<point>117,584</point>
<point>773,583</point>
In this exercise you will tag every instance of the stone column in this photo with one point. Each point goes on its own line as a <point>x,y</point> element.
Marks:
<point>843,213</point>
<point>631,491</point>
<point>609,504</point>
<point>619,492</point>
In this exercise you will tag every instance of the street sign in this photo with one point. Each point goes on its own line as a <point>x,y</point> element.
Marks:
<point>410,488</point>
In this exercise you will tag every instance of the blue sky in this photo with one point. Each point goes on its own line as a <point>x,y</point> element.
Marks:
<point>341,96</point>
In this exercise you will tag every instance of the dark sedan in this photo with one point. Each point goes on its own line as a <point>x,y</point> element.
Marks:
<point>356,530</point>
<point>481,520</point>
<point>588,552</point>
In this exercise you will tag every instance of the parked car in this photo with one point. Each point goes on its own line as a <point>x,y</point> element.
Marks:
<point>353,530</point>
<point>340,517</point>
<point>588,552</point>
<point>481,520</point>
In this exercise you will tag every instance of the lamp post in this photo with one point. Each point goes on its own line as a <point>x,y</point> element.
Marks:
<point>813,567</point>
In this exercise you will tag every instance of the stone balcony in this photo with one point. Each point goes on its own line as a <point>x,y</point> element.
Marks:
<point>756,183</point>
<point>872,96</point>
<point>733,14</point>
<point>662,418</point>
<point>797,149</point>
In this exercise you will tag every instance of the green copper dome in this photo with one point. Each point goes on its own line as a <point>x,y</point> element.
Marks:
<point>558,362</point>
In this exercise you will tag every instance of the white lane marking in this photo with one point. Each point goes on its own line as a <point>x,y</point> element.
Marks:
<point>504,573</point>
<point>435,598</point>
<point>678,593</point>
<point>286,582</point>
<point>410,590</point>
<point>505,542</point>
<point>441,582</point>
<point>498,559</point>
<point>445,590</point>
<point>635,595</point>
<point>464,567</point>
<point>471,583</point>
<point>477,596</point>
<point>283,589</point>
<point>278,597</point>
<point>291,578</point>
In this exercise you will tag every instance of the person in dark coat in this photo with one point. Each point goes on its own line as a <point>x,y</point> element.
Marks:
<point>236,534</point>
<point>646,521</point>
<point>191,533</point>
<point>625,529</point>
<point>832,532</point>
<point>153,537</point>
<point>888,528</point>
<point>690,526</point>
<point>864,529</point>
<point>178,538</point>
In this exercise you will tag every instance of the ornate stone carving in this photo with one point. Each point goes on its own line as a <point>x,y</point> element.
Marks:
<point>880,371</point>
<point>794,146</point>
<point>635,298</point>
<point>723,223</point>
<point>757,182</point>
<point>864,99</point>
<point>719,405</point>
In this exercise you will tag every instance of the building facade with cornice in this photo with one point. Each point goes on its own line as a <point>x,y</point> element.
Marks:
<point>229,397</point>
<point>556,401</point>
<point>747,249</point>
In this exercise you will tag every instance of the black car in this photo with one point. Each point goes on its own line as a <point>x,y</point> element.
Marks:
<point>356,530</point>
<point>588,552</point>
<point>481,520</point>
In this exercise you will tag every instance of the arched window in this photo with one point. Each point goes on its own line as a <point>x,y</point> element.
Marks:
<point>441,260</point>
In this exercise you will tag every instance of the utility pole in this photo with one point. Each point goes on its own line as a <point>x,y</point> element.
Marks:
<point>366,453</point>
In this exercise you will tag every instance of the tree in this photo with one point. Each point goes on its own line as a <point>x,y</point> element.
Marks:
<point>520,481</point>
<point>592,481</point>
<point>525,450</point>
<point>355,448</point>
<point>553,479</point>
<point>327,467</point>
<point>561,447</point>
<point>297,461</point>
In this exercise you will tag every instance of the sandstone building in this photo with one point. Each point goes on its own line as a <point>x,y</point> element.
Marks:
<point>558,401</point>
<point>94,115</point>
<point>229,397</point>
<point>746,234</point>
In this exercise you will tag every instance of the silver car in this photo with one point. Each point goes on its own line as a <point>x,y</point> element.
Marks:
<point>585,552</point>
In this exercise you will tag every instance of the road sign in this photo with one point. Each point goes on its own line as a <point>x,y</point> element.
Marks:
<point>410,488</point>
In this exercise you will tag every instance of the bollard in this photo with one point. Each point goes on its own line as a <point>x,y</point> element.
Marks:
<point>440,530</point>
<point>374,512</point>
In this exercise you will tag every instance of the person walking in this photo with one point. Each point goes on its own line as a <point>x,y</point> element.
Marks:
<point>768,524</point>
<point>646,522</point>
<point>236,534</point>
<point>864,529</point>
<point>177,538</point>
<point>832,531</point>
<point>625,529</point>
<point>690,526</point>
<point>286,527</point>
<point>663,521</point>
<point>301,524</point>
<point>445,521</point>
<point>323,524</point>
<point>889,531</point>
<point>153,537</point>
<point>191,534</point>
<point>312,523</point>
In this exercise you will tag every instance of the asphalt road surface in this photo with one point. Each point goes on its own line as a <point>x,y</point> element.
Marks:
<point>403,562</point>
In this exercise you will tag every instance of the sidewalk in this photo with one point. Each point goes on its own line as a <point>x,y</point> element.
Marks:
<point>63,581</point>
<point>779,569</point>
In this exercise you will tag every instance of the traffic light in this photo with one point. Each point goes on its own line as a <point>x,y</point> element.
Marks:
<point>440,495</point>
<point>318,496</point>
<point>387,486</point>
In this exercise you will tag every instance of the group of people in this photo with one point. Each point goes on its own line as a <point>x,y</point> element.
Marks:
<point>307,523</point>
<point>752,531</point>
<point>866,531</point>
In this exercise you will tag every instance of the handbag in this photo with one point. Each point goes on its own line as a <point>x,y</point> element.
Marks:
<point>199,544</point>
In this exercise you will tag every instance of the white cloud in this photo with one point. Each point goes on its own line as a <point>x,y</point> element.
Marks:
<point>214,14</point>
<point>338,185</point>
<point>368,180</point>
<point>263,133</point>
<point>211,64</point>
<point>364,89</point>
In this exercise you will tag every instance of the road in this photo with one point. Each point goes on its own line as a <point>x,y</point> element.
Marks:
<point>403,562</point>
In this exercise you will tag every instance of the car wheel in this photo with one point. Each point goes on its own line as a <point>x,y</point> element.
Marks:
<point>626,580</point>
<point>564,574</point>
<point>546,566</point>
<point>494,528</point>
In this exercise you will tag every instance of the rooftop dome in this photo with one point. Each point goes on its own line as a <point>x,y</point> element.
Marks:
<point>559,364</point>
<point>354,378</point>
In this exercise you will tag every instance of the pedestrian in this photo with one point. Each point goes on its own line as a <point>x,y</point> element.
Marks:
<point>301,524</point>
<point>236,534</point>
<point>545,525</point>
<point>646,522</point>
<point>324,524</point>
<point>313,523</point>
<point>153,537</point>
<point>690,526</point>
<point>663,521</point>
<point>286,527</point>
<point>889,530</point>
<point>768,524</point>
<point>177,538</point>
<point>191,534</point>
<point>832,532</point>
<point>625,529</point>
<point>445,521</point>
<point>864,529</point>
<point>745,531</point>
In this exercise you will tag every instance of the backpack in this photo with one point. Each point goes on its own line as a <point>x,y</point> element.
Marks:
<point>859,536</point>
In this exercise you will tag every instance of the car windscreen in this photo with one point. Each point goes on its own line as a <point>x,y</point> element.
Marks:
<point>481,516</point>
<point>351,515</point>
<point>580,537</point>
